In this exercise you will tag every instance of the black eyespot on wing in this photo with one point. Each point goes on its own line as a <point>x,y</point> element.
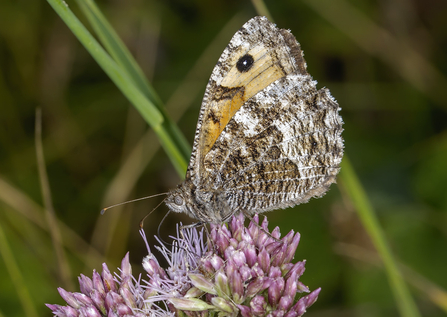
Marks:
<point>245,63</point>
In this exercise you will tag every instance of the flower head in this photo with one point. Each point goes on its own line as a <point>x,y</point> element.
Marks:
<point>242,271</point>
<point>108,295</point>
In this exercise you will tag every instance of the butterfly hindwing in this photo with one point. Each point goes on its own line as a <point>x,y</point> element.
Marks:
<point>282,147</point>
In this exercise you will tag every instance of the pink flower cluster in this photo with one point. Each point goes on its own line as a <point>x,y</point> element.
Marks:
<point>242,271</point>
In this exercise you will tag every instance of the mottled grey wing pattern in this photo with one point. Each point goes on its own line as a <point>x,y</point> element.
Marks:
<point>281,148</point>
<point>266,138</point>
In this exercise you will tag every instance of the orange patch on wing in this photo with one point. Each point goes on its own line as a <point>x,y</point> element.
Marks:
<point>264,72</point>
<point>222,114</point>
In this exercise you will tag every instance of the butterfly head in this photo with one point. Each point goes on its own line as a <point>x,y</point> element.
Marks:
<point>177,200</point>
<point>210,206</point>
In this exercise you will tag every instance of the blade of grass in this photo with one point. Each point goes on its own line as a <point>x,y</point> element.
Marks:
<point>119,52</point>
<point>62,264</point>
<point>261,9</point>
<point>32,212</point>
<point>147,109</point>
<point>358,197</point>
<point>432,291</point>
<point>16,276</point>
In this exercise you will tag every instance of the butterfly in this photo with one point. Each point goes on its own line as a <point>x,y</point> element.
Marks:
<point>266,138</point>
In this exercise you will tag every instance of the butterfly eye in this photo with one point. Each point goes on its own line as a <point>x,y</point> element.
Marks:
<point>178,200</point>
<point>245,63</point>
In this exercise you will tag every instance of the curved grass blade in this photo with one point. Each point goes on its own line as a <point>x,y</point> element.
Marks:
<point>125,83</point>
<point>364,209</point>
<point>14,272</point>
<point>119,52</point>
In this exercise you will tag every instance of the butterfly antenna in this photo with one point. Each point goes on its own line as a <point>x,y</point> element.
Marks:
<point>159,226</point>
<point>158,229</point>
<point>131,201</point>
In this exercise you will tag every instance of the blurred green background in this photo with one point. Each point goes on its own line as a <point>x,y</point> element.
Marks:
<point>384,61</point>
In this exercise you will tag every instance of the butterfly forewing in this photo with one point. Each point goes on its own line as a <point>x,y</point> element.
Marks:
<point>273,56</point>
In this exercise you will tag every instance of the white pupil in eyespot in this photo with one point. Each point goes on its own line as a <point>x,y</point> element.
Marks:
<point>178,200</point>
